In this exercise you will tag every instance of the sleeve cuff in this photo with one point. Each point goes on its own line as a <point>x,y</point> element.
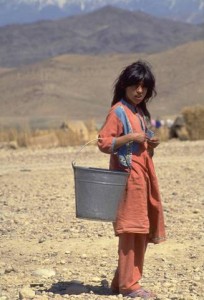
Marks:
<point>113,145</point>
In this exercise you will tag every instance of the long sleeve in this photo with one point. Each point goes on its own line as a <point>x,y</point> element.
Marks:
<point>111,129</point>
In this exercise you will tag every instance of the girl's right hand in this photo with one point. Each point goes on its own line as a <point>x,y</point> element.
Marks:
<point>130,137</point>
<point>139,137</point>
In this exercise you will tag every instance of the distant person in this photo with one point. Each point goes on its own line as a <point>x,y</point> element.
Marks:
<point>158,123</point>
<point>153,123</point>
<point>125,136</point>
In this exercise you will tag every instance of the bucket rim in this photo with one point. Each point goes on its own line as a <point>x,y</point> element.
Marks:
<point>101,170</point>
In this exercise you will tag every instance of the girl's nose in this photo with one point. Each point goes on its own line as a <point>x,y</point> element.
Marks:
<point>139,89</point>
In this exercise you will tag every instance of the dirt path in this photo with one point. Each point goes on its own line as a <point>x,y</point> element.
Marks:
<point>38,228</point>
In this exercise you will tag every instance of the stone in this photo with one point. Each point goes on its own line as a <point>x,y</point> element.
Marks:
<point>62,262</point>
<point>9,269</point>
<point>44,273</point>
<point>96,279</point>
<point>26,293</point>
<point>104,283</point>
<point>41,240</point>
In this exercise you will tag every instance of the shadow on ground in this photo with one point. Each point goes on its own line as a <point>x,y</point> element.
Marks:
<point>75,287</point>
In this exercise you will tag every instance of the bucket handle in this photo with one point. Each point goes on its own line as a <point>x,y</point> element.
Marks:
<point>94,140</point>
<point>74,160</point>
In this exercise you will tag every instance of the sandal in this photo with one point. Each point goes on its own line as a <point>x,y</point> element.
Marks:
<point>142,294</point>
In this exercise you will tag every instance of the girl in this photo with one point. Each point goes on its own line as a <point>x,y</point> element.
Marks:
<point>125,136</point>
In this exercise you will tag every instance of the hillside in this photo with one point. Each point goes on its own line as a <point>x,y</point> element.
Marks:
<point>80,87</point>
<point>4,70</point>
<point>108,30</point>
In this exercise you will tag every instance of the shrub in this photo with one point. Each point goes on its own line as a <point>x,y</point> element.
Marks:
<point>193,117</point>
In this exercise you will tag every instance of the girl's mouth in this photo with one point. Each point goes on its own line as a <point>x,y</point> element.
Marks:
<point>138,96</point>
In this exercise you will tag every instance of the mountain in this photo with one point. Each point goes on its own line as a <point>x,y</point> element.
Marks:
<point>26,11</point>
<point>108,30</point>
<point>80,87</point>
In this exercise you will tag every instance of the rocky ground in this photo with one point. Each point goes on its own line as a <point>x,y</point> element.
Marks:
<point>46,253</point>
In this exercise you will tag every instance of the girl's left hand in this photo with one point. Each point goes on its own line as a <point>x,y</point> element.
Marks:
<point>153,143</point>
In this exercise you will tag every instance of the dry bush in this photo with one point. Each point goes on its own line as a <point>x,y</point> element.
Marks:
<point>19,136</point>
<point>7,135</point>
<point>68,138</point>
<point>46,140</point>
<point>193,117</point>
<point>23,138</point>
<point>72,133</point>
<point>76,130</point>
<point>92,129</point>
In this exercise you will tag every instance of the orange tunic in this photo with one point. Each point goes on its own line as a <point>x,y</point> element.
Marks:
<point>140,210</point>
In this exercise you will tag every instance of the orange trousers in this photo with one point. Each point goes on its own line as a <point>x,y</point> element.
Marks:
<point>131,251</point>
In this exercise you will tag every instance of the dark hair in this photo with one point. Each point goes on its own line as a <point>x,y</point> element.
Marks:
<point>134,74</point>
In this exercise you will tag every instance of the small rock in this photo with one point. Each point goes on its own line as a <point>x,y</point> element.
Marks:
<point>104,283</point>
<point>44,273</point>
<point>36,284</point>
<point>62,262</point>
<point>197,278</point>
<point>9,269</point>
<point>193,256</point>
<point>174,194</point>
<point>26,293</point>
<point>41,240</point>
<point>96,279</point>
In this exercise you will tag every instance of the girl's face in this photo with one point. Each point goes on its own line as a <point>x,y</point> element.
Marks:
<point>136,93</point>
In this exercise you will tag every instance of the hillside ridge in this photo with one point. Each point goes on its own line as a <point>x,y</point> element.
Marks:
<point>108,30</point>
<point>80,86</point>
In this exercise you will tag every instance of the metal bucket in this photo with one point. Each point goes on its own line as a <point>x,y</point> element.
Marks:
<point>98,192</point>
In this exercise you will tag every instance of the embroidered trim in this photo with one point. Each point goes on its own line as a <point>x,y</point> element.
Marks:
<point>125,152</point>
